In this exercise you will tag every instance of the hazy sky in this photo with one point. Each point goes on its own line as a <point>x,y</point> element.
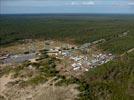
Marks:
<point>66,6</point>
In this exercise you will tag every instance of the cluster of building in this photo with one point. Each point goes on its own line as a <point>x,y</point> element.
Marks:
<point>78,61</point>
<point>83,62</point>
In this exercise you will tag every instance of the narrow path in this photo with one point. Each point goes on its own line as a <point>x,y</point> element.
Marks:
<point>129,51</point>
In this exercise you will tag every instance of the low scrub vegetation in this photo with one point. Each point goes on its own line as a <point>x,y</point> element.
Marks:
<point>112,81</point>
<point>35,73</point>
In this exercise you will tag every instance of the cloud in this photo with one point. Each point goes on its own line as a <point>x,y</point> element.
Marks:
<point>131,3</point>
<point>73,3</point>
<point>123,4</point>
<point>82,3</point>
<point>89,3</point>
<point>101,3</point>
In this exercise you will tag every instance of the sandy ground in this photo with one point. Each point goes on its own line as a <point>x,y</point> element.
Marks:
<point>28,46</point>
<point>57,93</point>
<point>46,91</point>
<point>3,81</point>
<point>22,47</point>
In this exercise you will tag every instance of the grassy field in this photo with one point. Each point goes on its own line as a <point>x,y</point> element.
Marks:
<point>70,28</point>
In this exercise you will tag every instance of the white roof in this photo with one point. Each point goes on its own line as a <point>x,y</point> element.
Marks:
<point>76,64</point>
<point>76,68</point>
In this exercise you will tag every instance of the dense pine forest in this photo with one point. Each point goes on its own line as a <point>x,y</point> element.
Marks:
<point>70,28</point>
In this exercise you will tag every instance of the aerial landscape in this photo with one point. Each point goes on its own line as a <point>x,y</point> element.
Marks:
<point>66,50</point>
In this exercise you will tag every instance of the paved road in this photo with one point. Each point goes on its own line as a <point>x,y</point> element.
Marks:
<point>19,58</point>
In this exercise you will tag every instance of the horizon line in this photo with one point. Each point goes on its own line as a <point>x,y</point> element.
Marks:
<point>65,13</point>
